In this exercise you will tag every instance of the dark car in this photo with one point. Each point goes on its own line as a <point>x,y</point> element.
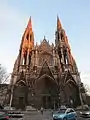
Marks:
<point>3,115</point>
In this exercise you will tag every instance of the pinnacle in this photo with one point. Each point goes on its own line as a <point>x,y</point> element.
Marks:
<point>59,26</point>
<point>29,23</point>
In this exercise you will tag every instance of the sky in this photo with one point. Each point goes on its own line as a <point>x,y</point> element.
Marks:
<point>74,16</point>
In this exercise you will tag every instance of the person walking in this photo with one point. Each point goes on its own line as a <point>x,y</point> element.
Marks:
<point>41,110</point>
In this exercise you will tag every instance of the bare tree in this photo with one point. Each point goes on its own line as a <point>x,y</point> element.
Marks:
<point>87,89</point>
<point>3,74</point>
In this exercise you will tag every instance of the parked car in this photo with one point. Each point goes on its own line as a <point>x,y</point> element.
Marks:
<point>4,115</point>
<point>30,108</point>
<point>85,114</point>
<point>65,114</point>
<point>15,115</point>
<point>9,108</point>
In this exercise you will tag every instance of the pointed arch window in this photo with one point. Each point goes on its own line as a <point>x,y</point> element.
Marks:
<point>25,58</point>
<point>30,37</point>
<point>65,56</point>
<point>27,36</point>
<point>29,59</point>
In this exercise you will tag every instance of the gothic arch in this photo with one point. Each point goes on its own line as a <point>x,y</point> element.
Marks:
<point>71,81</point>
<point>46,76</point>
<point>69,85</point>
<point>46,91</point>
<point>21,83</point>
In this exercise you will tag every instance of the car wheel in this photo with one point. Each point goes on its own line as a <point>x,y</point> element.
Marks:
<point>64,118</point>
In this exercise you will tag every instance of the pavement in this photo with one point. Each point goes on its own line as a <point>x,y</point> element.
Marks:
<point>47,115</point>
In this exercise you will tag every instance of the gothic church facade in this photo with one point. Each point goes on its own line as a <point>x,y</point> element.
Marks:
<point>46,74</point>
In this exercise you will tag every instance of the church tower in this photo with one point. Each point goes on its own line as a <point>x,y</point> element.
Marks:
<point>27,45</point>
<point>25,52</point>
<point>61,42</point>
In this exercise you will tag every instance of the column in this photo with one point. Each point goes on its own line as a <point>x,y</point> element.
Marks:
<point>36,57</point>
<point>53,57</point>
<point>27,61</point>
<point>33,58</point>
<point>62,59</point>
<point>21,58</point>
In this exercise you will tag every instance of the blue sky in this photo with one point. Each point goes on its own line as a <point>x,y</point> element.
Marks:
<point>74,16</point>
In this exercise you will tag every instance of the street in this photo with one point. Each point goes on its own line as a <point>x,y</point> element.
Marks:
<point>47,115</point>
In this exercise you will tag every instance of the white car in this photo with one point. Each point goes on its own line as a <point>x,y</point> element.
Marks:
<point>30,108</point>
<point>9,108</point>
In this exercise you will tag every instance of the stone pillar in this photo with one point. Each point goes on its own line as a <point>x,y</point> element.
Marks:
<point>36,57</point>
<point>54,57</point>
<point>68,56</point>
<point>33,58</point>
<point>22,58</point>
<point>62,59</point>
<point>27,61</point>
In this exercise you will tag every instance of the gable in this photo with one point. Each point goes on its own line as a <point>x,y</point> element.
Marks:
<point>46,70</point>
<point>44,46</point>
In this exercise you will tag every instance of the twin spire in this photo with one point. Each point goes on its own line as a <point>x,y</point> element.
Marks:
<point>28,39</point>
<point>59,25</point>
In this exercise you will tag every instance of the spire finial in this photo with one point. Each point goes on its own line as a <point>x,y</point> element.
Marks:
<point>29,23</point>
<point>59,26</point>
<point>44,37</point>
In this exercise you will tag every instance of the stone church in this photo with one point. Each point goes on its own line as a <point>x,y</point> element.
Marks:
<point>45,74</point>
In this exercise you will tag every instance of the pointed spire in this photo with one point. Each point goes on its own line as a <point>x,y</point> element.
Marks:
<point>59,26</point>
<point>44,38</point>
<point>29,23</point>
<point>28,37</point>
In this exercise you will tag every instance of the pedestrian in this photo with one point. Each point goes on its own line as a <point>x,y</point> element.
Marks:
<point>42,110</point>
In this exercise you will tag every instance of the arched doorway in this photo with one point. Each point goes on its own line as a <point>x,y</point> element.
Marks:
<point>72,93</point>
<point>20,95</point>
<point>46,92</point>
